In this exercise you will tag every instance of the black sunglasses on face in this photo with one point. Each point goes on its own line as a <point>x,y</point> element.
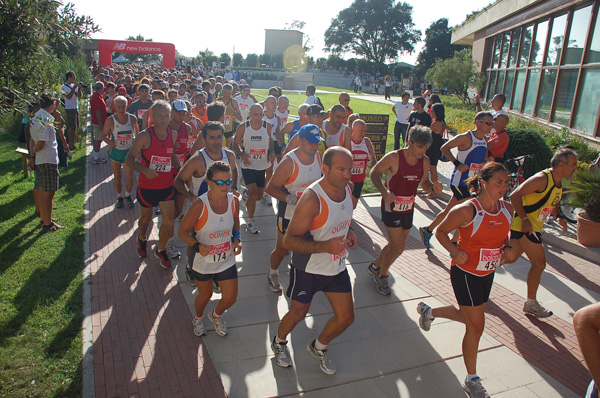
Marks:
<point>221,182</point>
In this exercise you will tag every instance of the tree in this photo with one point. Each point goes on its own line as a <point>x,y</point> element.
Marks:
<point>437,45</point>
<point>299,25</point>
<point>377,30</point>
<point>252,60</point>
<point>238,59</point>
<point>225,59</point>
<point>457,74</point>
<point>31,38</point>
<point>206,56</point>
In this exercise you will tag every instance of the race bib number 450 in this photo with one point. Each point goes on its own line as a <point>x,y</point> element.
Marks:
<point>160,163</point>
<point>489,259</point>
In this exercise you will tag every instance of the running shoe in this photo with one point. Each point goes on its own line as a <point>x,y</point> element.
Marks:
<point>382,284</point>
<point>424,320</point>
<point>129,201</point>
<point>157,210</point>
<point>536,309</point>
<point>266,200</point>
<point>325,363</point>
<point>199,329</point>
<point>52,227</point>
<point>172,250</point>
<point>220,325</point>
<point>282,354</point>
<point>252,228</point>
<point>474,388</point>
<point>141,247</point>
<point>274,284</point>
<point>119,204</point>
<point>216,287</point>
<point>426,237</point>
<point>372,269</point>
<point>163,258</point>
<point>188,276</point>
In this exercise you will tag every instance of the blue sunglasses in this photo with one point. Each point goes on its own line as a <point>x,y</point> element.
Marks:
<point>221,182</point>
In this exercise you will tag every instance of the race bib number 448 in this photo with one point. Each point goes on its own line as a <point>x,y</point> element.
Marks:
<point>404,203</point>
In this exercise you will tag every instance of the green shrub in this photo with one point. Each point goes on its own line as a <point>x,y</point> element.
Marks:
<point>528,141</point>
<point>10,122</point>
<point>557,139</point>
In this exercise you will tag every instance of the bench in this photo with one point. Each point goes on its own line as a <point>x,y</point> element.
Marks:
<point>24,158</point>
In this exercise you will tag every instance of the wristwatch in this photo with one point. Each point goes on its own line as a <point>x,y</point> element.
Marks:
<point>196,246</point>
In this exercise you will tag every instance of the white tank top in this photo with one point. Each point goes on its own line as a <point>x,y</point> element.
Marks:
<point>273,122</point>
<point>283,117</point>
<point>336,139</point>
<point>215,230</point>
<point>199,185</point>
<point>302,176</point>
<point>245,105</point>
<point>256,144</point>
<point>123,133</point>
<point>333,220</point>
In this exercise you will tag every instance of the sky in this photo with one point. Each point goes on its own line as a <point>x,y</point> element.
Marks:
<point>185,23</point>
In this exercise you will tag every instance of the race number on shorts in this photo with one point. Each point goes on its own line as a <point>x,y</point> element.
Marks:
<point>404,203</point>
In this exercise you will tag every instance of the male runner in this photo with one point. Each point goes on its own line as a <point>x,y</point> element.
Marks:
<point>232,113</point>
<point>405,169</point>
<point>254,144</point>
<point>472,152</point>
<point>155,186</point>
<point>141,105</point>
<point>362,152</point>
<point>318,235</point>
<point>534,201</point>
<point>245,101</point>
<point>119,132</point>
<point>337,133</point>
<point>297,170</point>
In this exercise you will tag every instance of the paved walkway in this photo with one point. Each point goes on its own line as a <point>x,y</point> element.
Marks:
<point>143,343</point>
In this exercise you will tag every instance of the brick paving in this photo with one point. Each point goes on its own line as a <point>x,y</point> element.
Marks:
<point>549,344</point>
<point>142,340</point>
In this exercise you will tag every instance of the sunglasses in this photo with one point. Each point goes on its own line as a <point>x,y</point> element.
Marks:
<point>488,123</point>
<point>221,182</point>
<point>201,101</point>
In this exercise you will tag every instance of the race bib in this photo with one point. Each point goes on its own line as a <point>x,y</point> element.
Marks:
<point>257,154</point>
<point>191,143</point>
<point>489,259</point>
<point>123,141</point>
<point>340,259</point>
<point>404,203</point>
<point>243,106</point>
<point>298,194</point>
<point>220,252</point>
<point>358,167</point>
<point>160,163</point>
<point>544,213</point>
<point>140,113</point>
<point>227,120</point>
<point>475,168</point>
<point>181,158</point>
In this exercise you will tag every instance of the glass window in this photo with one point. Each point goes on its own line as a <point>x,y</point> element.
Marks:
<point>564,97</point>
<point>496,56</point>
<point>526,46</point>
<point>510,75</point>
<point>519,87</point>
<point>539,44</point>
<point>487,80</point>
<point>589,98</point>
<point>531,91</point>
<point>500,84</point>
<point>556,40</point>
<point>576,42</point>
<point>505,47</point>
<point>514,47</point>
<point>546,93</point>
<point>594,52</point>
<point>492,86</point>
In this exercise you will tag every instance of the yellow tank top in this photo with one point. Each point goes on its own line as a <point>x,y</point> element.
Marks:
<point>539,205</point>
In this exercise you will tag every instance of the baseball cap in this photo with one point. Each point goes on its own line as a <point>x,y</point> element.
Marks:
<point>315,110</point>
<point>310,133</point>
<point>122,90</point>
<point>179,106</point>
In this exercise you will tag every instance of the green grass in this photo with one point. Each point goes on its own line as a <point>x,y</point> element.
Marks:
<point>41,279</point>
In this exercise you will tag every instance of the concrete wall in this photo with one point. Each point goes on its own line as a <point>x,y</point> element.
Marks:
<point>277,41</point>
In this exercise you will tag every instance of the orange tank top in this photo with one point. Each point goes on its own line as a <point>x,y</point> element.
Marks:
<point>203,118</point>
<point>483,239</point>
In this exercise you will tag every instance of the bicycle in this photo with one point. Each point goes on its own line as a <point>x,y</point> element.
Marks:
<point>516,178</point>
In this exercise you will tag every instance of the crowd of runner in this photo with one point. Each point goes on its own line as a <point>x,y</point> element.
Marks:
<point>195,136</point>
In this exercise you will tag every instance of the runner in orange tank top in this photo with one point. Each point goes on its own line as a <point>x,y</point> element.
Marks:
<point>483,225</point>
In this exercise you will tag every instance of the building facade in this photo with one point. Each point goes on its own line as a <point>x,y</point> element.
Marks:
<point>544,56</point>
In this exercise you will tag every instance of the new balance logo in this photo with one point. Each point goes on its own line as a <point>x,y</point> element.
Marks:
<point>119,46</point>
